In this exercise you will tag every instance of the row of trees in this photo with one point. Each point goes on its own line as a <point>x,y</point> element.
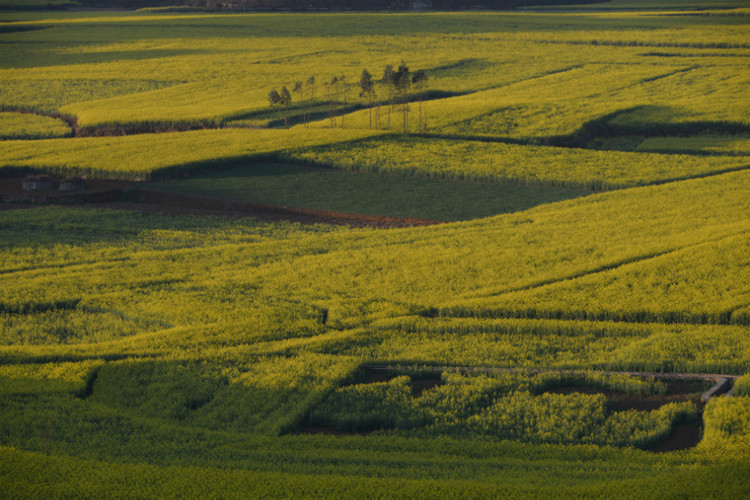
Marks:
<point>395,83</point>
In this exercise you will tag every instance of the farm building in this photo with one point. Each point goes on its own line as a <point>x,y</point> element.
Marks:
<point>37,183</point>
<point>72,184</point>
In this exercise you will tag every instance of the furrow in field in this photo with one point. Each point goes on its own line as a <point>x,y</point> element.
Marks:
<point>704,283</point>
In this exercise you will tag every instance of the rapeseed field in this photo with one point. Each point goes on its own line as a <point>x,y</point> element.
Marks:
<point>553,340</point>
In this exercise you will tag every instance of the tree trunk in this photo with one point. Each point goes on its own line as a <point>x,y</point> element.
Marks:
<point>421,130</point>
<point>405,98</point>
<point>343,111</point>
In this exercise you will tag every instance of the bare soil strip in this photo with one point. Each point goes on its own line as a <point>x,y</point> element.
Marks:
<point>683,437</point>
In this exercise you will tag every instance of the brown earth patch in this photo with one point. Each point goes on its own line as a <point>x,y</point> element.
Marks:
<point>687,386</point>
<point>419,386</point>
<point>376,378</point>
<point>683,437</point>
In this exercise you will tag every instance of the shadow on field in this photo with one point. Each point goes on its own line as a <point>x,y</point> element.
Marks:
<point>367,194</point>
<point>199,394</point>
<point>374,399</point>
<point>631,125</point>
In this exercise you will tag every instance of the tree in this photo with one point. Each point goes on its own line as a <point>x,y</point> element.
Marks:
<point>402,83</point>
<point>285,102</point>
<point>286,97</point>
<point>299,90</point>
<point>334,90</point>
<point>419,81</point>
<point>389,83</point>
<point>342,88</point>
<point>274,98</point>
<point>331,90</point>
<point>281,100</point>
<point>310,84</point>
<point>367,90</point>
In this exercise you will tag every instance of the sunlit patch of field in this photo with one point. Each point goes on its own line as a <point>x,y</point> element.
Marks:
<point>30,126</point>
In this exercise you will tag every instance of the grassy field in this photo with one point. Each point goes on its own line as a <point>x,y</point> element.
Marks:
<point>594,164</point>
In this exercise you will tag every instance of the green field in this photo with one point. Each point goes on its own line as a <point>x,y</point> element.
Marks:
<point>593,168</point>
<point>364,193</point>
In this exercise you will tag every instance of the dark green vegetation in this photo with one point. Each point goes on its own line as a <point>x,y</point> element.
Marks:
<point>509,406</point>
<point>602,159</point>
<point>361,193</point>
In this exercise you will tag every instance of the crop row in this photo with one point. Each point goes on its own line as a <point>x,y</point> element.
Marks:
<point>551,343</point>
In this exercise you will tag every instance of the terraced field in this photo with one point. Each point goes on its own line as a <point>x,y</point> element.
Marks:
<point>590,171</point>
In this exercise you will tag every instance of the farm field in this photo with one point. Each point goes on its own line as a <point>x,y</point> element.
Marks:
<point>366,193</point>
<point>591,166</point>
